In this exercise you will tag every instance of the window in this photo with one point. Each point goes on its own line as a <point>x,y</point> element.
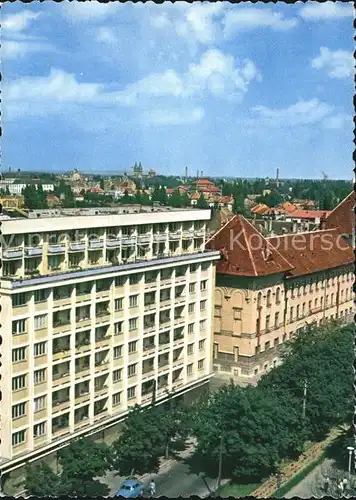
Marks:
<point>267,345</point>
<point>18,438</point>
<point>193,268</point>
<point>190,349</point>
<point>309,305</point>
<point>18,382</point>
<point>19,410</point>
<point>131,392</point>
<point>217,311</point>
<point>117,352</point>
<point>276,341</point>
<point>268,321</point>
<point>131,370</point>
<point>191,328</point>
<point>303,308</point>
<point>191,308</point>
<point>19,354</point>
<point>278,296</point>
<point>259,300</point>
<point>116,399</point>
<point>18,326</point>
<point>117,375</point>
<point>39,429</point>
<point>19,300</point>
<point>40,295</point>
<point>200,364</point>
<point>269,298</point>
<point>39,376</point>
<point>119,304</point>
<point>190,369</point>
<point>201,345</point>
<point>192,288</point>
<point>118,328</point>
<point>202,324</point>
<point>132,324</point>
<point>120,280</point>
<point>134,279</point>
<point>237,313</point>
<point>39,403</point>
<point>298,311</point>
<point>40,321</point>
<point>203,285</point>
<point>40,349</point>
<point>203,305</point>
<point>291,313</point>
<point>276,319</point>
<point>133,300</point>
<point>132,346</point>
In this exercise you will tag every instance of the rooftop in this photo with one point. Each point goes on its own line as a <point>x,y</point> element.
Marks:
<point>342,217</point>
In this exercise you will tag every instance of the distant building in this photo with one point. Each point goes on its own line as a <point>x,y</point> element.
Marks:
<point>19,184</point>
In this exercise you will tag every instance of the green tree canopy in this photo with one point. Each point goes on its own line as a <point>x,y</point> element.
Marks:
<point>202,203</point>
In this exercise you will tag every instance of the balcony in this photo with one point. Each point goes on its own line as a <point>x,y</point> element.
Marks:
<point>61,248</point>
<point>102,317</point>
<point>82,322</point>
<point>150,305</point>
<point>179,319</point>
<point>143,238</point>
<point>101,342</point>
<point>164,323</point>
<point>113,243</point>
<point>175,235</point>
<point>82,371</point>
<point>61,353</point>
<point>180,298</point>
<point>82,346</point>
<point>60,378</point>
<point>159,237</point>
<point>77,246</point>
<point>82,397</point>
<point>101,365</point>
<point>188,235</point>
<point>163,365</point>
<point>148,350</point>
<point>60,405</point>
<point>61,325</point>
<point>178,382</point>
<point>95,244</point>
<point>198,233</point>
<point>33,251</point>
<point>13,253</point>
<point>128,240</point>
<point>100,390</point>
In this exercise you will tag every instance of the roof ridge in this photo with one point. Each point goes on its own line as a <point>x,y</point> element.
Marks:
<point>353,192</point>
<point>246,243</point>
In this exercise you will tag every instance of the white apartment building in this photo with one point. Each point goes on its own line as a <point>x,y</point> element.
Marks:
<point>100,310</point>
<point>16,186</point>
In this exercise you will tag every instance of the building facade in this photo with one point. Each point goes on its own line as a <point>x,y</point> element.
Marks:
<point>268,289</point>
<point>99,312</point>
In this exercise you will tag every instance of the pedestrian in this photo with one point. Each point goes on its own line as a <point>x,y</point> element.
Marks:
<point>152,488</point>
<point>326,484</point>
<point>341,487</point>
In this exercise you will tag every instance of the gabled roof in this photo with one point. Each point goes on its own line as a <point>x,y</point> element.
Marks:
<point>205,182</point>
<point>210,189</point>
<point>342,217</point>
<point>226,199</point>
<point>309,214</point>
<point>287,206</point>
<point>245,251</point>
<point>313,251</point>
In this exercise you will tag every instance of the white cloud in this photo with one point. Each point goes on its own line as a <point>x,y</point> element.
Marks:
<point>15,49</point>
<point>338,63</point>
<point>89,10</point>
<point>315,11</point>
<point>174,116</point>
<point>107,35</point>
<point>216,74</point>
<point>252,17</point>
<point>15,23</point>
<point>338,121</point>
<point>301,113</point>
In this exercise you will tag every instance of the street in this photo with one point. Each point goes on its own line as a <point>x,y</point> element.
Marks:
<point>173,479</point>
<point>309,485</point>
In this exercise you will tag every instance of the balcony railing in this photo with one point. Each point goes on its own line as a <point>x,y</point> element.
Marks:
<point>33,251</point>
<point>61,248</point>
<point>128,240</point>
<point>159,237</point>
<point>77,247</point>
<point>94,244</point>
<point>13,253</point>
<point>144,238</point>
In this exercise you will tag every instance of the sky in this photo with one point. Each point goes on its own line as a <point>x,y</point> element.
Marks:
<point>227,89</point>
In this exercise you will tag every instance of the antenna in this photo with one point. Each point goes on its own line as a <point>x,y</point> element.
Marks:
<point>325,176</point>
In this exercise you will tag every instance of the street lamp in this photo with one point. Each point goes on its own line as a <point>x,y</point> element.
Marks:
<point>350,449</point>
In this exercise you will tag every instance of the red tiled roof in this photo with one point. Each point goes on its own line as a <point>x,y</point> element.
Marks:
<point>259,209</point>
<point>245,251</point>
<point>342,217</point>
<point>289,207</point>
<point>226,199</point>
<point>205,182</point>
<point>169,190</point>
<point>313,251</point>
<point>309,214</point>
<point>212,189</point>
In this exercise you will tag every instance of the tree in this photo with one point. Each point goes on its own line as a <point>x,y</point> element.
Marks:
<point>140,444</point>
<point>252,428</point>
<point>42,197</point>
<point>7,191</point>
<point>126,198</point>
<point>175,200</point>
<point>102,184</point>
<point>239,204</point>
<point>202,203</point>
<point>81,462</point>
<point>41,481</point>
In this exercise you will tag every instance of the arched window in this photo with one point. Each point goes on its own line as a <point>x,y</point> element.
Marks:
<point>332,299</point>
<point>278,296</point>
<point>259,300</point>
<point>269,298</point>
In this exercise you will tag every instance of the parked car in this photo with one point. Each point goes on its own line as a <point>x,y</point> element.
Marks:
<point>131,488</point>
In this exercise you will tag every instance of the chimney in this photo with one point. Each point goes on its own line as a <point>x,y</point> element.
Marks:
<point>197,174</point>
<point>322,221</point>
<point>186,174</point>
<point>201,174</point>
<point>294,227</point>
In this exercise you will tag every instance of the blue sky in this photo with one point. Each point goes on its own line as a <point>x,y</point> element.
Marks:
<point>232,90</point>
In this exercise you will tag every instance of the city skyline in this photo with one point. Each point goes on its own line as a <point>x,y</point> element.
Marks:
<point>93,87</point>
